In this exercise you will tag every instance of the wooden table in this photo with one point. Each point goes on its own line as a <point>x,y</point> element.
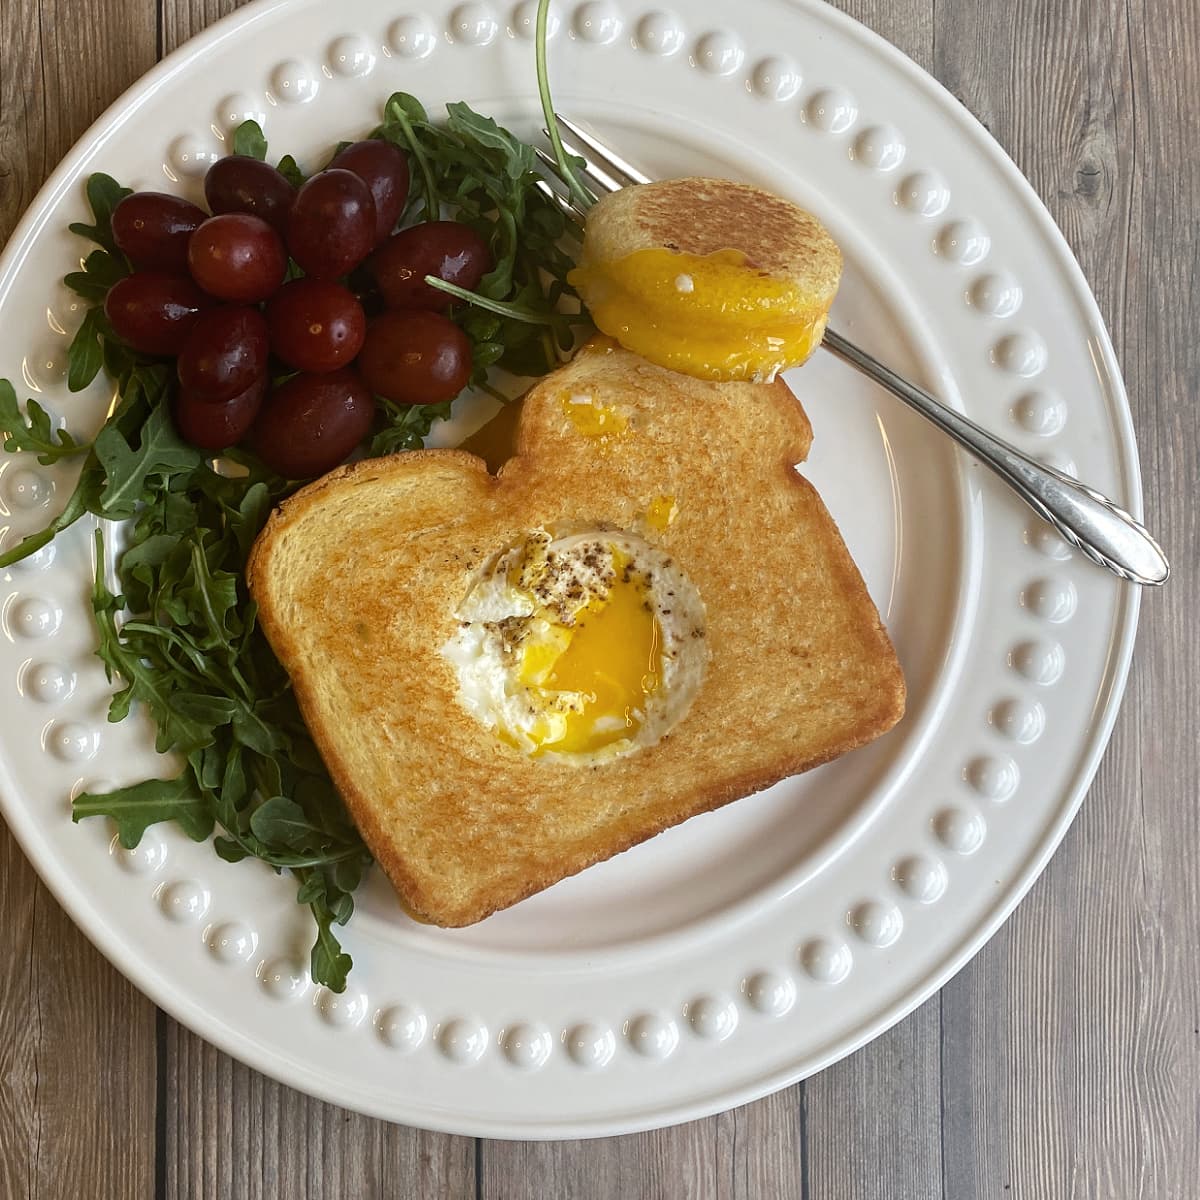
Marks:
<point>1063,1062</point>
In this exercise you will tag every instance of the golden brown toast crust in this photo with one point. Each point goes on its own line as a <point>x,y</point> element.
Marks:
<point>357,577</point>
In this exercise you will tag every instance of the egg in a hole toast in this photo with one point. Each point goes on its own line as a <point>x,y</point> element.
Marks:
<point>646,614</point>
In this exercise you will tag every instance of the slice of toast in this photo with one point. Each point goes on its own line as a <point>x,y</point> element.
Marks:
<point>358,577</point>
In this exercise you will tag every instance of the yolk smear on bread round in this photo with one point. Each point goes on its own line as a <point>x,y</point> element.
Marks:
<point>714,316</point>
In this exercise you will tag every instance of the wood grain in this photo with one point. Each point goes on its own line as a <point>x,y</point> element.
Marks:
<point>1063,1062</point>
<point>77,1044</point>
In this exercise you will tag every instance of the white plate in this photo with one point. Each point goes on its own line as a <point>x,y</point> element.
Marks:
<point>752,946</point>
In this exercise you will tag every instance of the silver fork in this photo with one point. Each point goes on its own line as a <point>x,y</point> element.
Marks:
<point>1104,532</point>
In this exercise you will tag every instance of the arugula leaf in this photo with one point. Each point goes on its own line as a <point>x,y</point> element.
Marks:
<point>104,194</point>
<point>33,431</point>
<point>160,451</point>
<point>100,271</point>
<point>86,354</point>
<point>406,426</point>
<point>248,140</point>
<point>141,805</point>
<point>290,170</point>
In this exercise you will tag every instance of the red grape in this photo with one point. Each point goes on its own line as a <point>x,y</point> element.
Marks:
<point>236,256</point>
<point>332,226</point>
<point>315,324</point>
<point>448,249</point>
<point>312,422</point>
<point>238,183</point>
<point>384,169</point>
<point>154,312</point>
<point>152,229</point>
<point>224,354</point>
<point>219,426</point>
<point>415,357</point>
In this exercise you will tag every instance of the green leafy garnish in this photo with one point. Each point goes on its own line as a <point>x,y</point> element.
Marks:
<point>248,140</point>
<point>32,430</point>
<point>566,164</point>
<point>177,631</point>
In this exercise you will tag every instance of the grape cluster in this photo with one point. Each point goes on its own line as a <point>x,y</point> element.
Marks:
<point>273,348</point>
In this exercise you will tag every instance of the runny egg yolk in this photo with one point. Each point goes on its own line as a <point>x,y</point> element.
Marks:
<point>609,661</point>
<point>714,316</point>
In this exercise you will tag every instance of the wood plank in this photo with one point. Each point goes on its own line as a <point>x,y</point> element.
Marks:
<point>1070,1050</point>
<point>232,1132</point>
<point>77,1046</point>
<point>752,1152</point>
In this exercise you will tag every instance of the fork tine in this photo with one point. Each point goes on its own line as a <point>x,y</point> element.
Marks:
<point>599,179</point>
<point>613,163</point>
<point>568,206</point>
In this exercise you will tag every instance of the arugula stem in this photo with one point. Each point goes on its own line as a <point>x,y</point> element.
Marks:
<point>565,169</point>
<point>503,308</point>
<point>432,201</point>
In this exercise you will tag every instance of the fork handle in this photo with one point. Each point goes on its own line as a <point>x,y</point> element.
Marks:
<point>1108,535</point>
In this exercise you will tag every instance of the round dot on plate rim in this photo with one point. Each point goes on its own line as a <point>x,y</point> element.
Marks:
<point>964,242</point>
<point>590,1045</point>
<point>1047,541</point>
<point>527,1046</point>
<point>48,682</point>
<point>923,193</point>
<point>996,294</point>
<point>712,1017</point>
<point>231,942</point>
<point>191,155</point>
<point>27,488</point>
<point>239,107</point>
<point>184,901</point>
<point>72,741</point>
<point>994,776</point>
<point>412,37</point>
<point>921,878</point>
<point>1041,661</point>
<point>653,1035</point>
<point>341,1010</point>
<point>1040,412</point>
<point>959,830</point>
<point>770,993</point>
<point>402,1027</point>
<point>34,617</point>
<point>295,82</point>
<point>352,56</point>
<point>1020,720</point>
<point>776,78</point>
<point>1023,354</point>
<point>876,922</point>
<point>284,979</point>
<point>462,1040</point>
<point>880,147</point>
<point>597,22</point>
<point>660,33</point>
<point>831,110</point>
<point>1053,600</point>
<point>148,857</point>
<point>720,52</point>
<point>524,20</point>
<point>474,24</point>
<point>825,961</point>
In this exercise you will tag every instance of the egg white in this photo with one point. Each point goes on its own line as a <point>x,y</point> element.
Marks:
<point>488,670</point>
